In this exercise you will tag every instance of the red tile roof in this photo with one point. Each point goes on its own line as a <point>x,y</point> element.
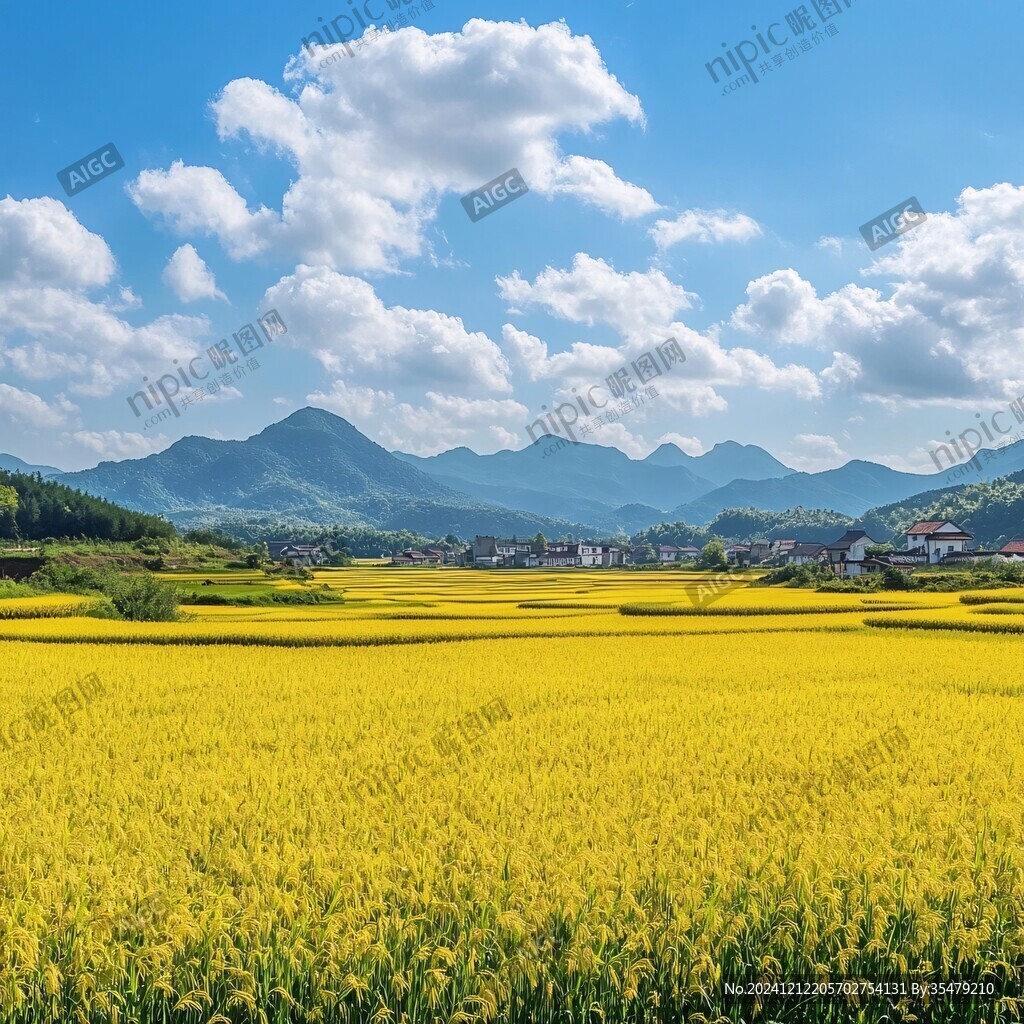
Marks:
<point>928,527</point>
<point>1015,547</point>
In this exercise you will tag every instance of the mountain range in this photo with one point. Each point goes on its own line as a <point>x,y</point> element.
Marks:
<point>9,464</point>
<point>312,469</point>
<point>593,484</point>
<point>316,469</point>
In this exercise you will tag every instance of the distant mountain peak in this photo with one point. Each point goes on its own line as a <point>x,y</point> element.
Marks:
<point>312,466</point>
<point>12,464</point>
<point>311,416</point>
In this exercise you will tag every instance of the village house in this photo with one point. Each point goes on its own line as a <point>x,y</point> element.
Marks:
<point>296,554</point>
<point>560,556</point>
<point>672,553</point>
<point>484,553</point>
<point>600,555</point>
<point>501,553</point>
<point>496,553</point>
<point>937,540</point>
<point>511,550</point>
<point>801,554</point>
<point>846,556</point>
<point>431,556</point>
<point>738,554</point>
<point>1013,551</point>
<point>902,560</point>
<point>760,550</point>
<point>781,548</point>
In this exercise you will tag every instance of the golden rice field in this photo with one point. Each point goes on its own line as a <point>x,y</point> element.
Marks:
<point>469,797</point>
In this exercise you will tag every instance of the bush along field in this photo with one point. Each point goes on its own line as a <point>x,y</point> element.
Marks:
<point>150,579</point>
<point>517,796</point>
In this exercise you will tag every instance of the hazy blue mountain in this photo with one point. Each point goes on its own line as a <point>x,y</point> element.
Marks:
<point>630,519</point>
<point>314,467</point>
<point>852,489</point>
<point>586,482</point>
<point>987,464</point>
<point>15,465</point>
<point>726,462</point>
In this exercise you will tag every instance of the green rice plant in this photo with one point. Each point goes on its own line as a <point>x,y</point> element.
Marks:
<point>744,610</point>
<point>1002,598</point>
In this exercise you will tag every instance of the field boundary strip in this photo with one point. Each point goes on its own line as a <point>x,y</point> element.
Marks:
<point>392,641</point>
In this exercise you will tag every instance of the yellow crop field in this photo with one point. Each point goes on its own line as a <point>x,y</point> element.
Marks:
<point>515,797</point>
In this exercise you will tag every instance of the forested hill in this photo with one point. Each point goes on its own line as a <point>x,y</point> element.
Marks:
<point>33,509</point>
<point>993,512</point>
<point>743,525</point>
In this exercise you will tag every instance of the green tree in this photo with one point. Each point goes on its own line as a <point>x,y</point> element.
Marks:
<point>645,555</point>
<point>893,579</point>
<point>540,541</point>
<point>8,512</point>
<point>878,549</point>
<point>712,556</point>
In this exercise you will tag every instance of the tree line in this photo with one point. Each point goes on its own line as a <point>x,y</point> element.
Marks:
<point>32,509</point>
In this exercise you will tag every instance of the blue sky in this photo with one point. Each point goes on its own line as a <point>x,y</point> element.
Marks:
<point>255,178</point>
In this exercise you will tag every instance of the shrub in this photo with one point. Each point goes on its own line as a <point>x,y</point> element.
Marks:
<point>893,579</point>
<point>712,556</point>
<point>798,575</point>
<point>141,597</point>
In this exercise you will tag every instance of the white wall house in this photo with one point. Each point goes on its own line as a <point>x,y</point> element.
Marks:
<point>1014,551</point>
<point>561,556</point>
<point>846,555</point>
<point>804,553</point>
<point>599,555</point>
<point>302,554</point>
<point>937,539</point>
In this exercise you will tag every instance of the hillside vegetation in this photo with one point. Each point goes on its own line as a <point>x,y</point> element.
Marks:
<point>33,509</point>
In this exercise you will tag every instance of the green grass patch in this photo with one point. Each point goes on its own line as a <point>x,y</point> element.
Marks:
<point>956,627</point>
<point>825,609</point>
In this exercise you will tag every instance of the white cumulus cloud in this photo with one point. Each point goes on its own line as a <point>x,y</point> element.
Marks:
<point>945,330</point>
<point>705,226</point>
<point>188,276</point>
<point>377,144</point>
<point>29,409</point>
<point>441,423</point>
<point>117,445</point>
<point>349,330</point>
